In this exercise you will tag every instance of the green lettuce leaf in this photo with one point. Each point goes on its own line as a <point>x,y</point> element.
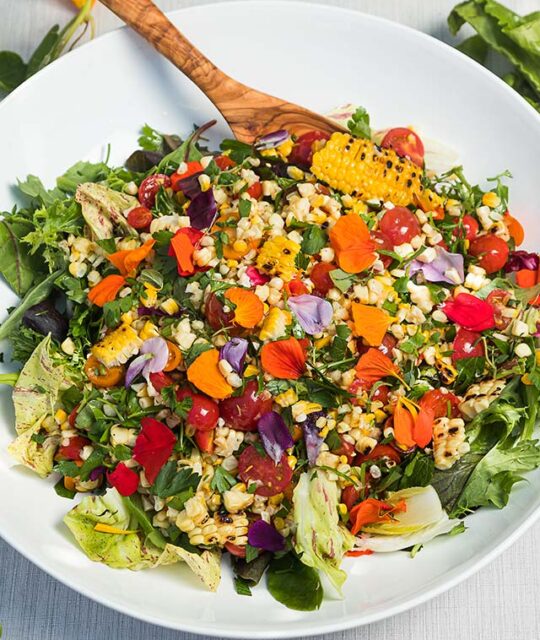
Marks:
<point>103,209</point>
<point>206,566</point>
<point>35,453</point>
<point>321,541</point>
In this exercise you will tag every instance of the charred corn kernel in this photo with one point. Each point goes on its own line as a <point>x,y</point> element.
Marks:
<point>275,324</point>
<point>361,168</point>
<point>479,396</point>
<point>322,342</point>
<point>342,508</point>
<point>304,408</point>
<point>251,370</point>
<point>295,173</point>
<point>285,148</point>
<point>448,371</point>
<point>291,461</point>
<point>449,442</point>
<point>117,346</point>
<point>277,257</point>
<point>148,331</point>
<point>60,416</point>
<point>287,398</point>
<point>170,306</point>
<point>149,295</point>
<point>491,200</point>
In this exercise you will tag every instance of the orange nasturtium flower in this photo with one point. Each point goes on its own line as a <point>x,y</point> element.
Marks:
<point>80,3</point>
<point>249,310</point>
<point>514,228</point>
<point>374,365</point>
<point>370,323</point>
<point>128,260</point>
<point>284,359</point>
<point>352,242</point>
<point>413,424</point>
<point>106,290</point>
<point>204,373</point>
<point>371,511</point>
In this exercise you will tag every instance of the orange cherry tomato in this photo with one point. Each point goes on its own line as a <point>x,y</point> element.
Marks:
<point>175,357</point>
<point>139,218</point>
<point>205,440</point>
<point>102,376</point>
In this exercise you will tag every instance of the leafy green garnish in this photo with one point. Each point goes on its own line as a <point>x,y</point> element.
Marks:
<point>222,480</point>
<point>171,481</point>
<point>294,584</point>
<point>313,240</point>
<point>342,280</point>
<point>358,125</point>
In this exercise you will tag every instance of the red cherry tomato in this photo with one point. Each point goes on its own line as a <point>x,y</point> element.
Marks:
<point>72,451</point>
<point>302,152</point>
<point>320,276</point>
<point>382,241</point>
<point>224,162</point>
<point>388,343</point>
<point>73,416</point>
<point>467,344</point>
<point>405,143</point>
<point>350,496</point>
<point>140,218</point>
<point>193,167</point>
<point>399,225</point>
<point>271,478</point>
<point>255,191</point>
<point>205,440</point>
<point>204,412</point>
<point>468,228</point>
<point>499,298</point>
<point>150,186</point>
<point>296,287</point>
<point>345,449</point>
<point>216,317</point>
<point>160,380</point>
<point>378,452</point>
<point>235,549</point>
<point>243,412</point>
<point>491,251</point>
<point>381,394</point>
<point>443,404</point>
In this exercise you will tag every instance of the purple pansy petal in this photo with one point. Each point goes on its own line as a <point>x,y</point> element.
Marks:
<point>190,186</point>
<point>272,140</point>
<point>97,472</point>
<point>154,311</point>
<point>264,536</point>
<point>157,347</point>
<point>521,260</point>
<point>202,210</point>
<point>275,435</point>
<point>312,439</point>
<point>135,368</point>
<point>234,352</point>
<point>435,271</point>
<point>313,313</point>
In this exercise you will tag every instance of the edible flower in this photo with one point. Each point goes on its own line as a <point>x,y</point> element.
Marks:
<point>182,248</point>
<point>518,260</point>
<point>284,359</point>
<point>249,309</point>
<point>124,479</point>
<point>437,270</point>
<point>234,352</point>
<point>351,240</point>
<point>370,323</point>
<point>127,260</point>
<point>153,447</point>
<point>153,358</point>
<point>373,366</point>
<point>204,373</point>
<point>106,290</point>
<point>515,228</point>
<point>313,313</point>
<point>371,510</point>
<point>413,424</point>
<point>264,536</point>
<point>272,140</point>
<point>470,312</point>
<point>256,277</point>
<point>202,210</point>
<point>275,436</point>
<point>312,437</point>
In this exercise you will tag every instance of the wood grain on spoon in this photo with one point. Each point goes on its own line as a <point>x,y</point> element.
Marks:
<point>249,113</point>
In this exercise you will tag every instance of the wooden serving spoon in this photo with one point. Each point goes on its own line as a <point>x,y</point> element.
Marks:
<point>249,113</point>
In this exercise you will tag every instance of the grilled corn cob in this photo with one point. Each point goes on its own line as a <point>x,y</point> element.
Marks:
<point>117,346</point>
<point>480,396</point>
<point>448,442</point>
<point>361,168</point>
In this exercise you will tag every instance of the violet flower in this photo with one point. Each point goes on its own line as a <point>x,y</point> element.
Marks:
<point>521,260</point>
<point>435,271</point>
<point>264,536</point>
<point>312,439</point>
<point>313,313</point>
<point>234,352</point>
<point>202,210</point>
<point>275,436</point>
<point>190,186</point>
<point>153,357</point>
<point>271,140</point>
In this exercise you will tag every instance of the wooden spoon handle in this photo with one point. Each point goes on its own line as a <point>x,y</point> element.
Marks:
<point>148,21</point>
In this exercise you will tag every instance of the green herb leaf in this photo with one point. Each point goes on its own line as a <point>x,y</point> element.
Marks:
<point>358,125</point>
<point>171,481</point>
<point>12,71</point>
<point>222,480</point>
<point>241,586</point>
<point>314,239</point>
<point>294,584</point>
<point>342,279</point>
<point>244,208</point>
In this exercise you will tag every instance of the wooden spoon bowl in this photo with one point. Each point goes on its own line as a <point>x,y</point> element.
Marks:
<point>249,113</point>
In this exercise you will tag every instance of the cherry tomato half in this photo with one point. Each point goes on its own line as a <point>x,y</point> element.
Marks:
<point>442,403</point>
<point>205,441</point>
<point>302,152</point>
<point>270,477</point>
<point>73,416</point>
<point>175,357</point>
<point>468,228</point>
<point>150,186</point>
<point>243,412</point>
<point>204,412</point>
<point>491,251</point>
<point>235,549</point>
<point>405,143</point>
<point>382,241</point>
<point>399,225</point>
<point>320,276</point>
<point>216,317</point>
<point>255,191</point>
<point>350,496</point>
<point>100,375</point>
<point>160,380</point>
<point>72,451</point>
<point>139,218</point>
<point>345,449</point>
<point>224,162</point>
<point>467,344</point>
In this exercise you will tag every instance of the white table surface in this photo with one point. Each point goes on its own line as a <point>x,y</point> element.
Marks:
<point>499,603</point>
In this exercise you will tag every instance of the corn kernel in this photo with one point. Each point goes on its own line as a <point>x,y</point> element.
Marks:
<point>250,371</point>
<point>342,508</point>
<point>148,331</point>
<point>60,416</point>
<point>322,342</point>
<point>241,247</point>
<point>170,306</point>
<point>343,459</point>
<point>285,148</point>
<point>491,200</point>
<point>149,296</point>
<point>292,460</point>
<point>275,499</point>
<point>295,173</point>
<point>127,318</point>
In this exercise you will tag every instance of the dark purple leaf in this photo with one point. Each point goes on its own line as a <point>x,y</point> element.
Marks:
<point>521,260</point>
<point>275,435</point>
<point>154,311</point>
<point>190,186</point>
<point>264,536</point>
<point>312,439</point>
<point>234,352</point>
<point>202,210</point>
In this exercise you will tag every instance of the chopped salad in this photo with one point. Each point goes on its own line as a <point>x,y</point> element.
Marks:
<point>285,353</point>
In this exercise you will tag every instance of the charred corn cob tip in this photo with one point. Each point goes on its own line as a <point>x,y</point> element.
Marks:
<point>359,167</point>
<point>449,442</point>
<point>117,346</point>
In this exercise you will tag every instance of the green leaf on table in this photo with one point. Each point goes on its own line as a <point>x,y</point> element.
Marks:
<point>475,47</point>
<point>44,54</point>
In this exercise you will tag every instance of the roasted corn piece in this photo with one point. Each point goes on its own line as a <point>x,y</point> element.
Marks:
<point>117,346</point>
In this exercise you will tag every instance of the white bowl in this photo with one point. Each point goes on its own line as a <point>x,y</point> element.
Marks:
<point>320,57</point>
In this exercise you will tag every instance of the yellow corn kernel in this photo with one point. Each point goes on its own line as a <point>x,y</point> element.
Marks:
<point>127,318</point>
<point>322,342</point>
<point>148,331</point>
<point>295,173</point>
<point>275,324</point>
<point>149,295</point>
<point>526,379</point>
<point>232,263</point>
<point>537,353</point>
<point>287,398</point>
<point>250,371</point>
<point>342,508</point>
<point>291,461</point>
<point>277,257</point>
<point>240,487</point>
<point>170,306</point>
<point>60,416</point>
<point>324,432</point>
<point>491,200</point>
<point>343,459</point>
<point>117,346</point>
<point>380,416</point>
<point>240,247</point>
<point>275,499</point>
<point>279,523</point>
<point>317,201</point>
<point>285,148</point>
